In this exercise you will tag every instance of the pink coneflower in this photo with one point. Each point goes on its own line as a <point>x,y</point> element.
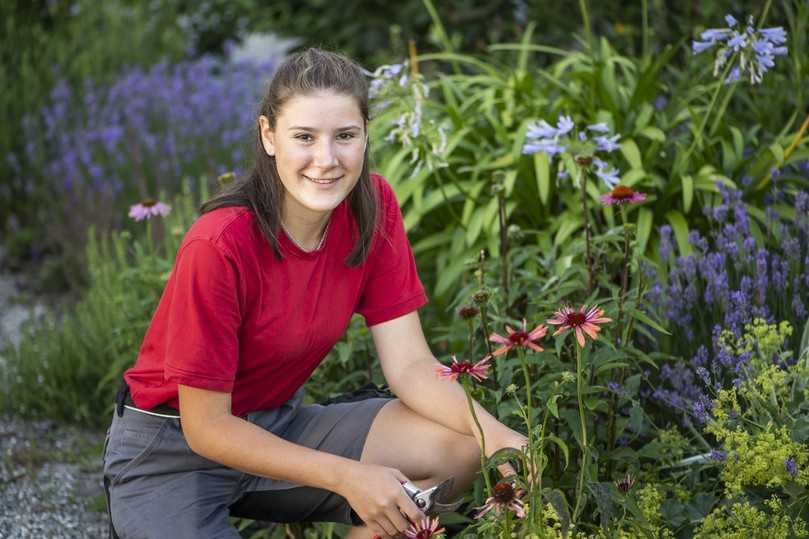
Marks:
<point>505,497</point>
<point>148,209</point>
<point>625,484</point>
<point>519,338</point>
<point>426,528</point>
<point>582,321</point>
<point>622,194</point>
<point>479,371</point>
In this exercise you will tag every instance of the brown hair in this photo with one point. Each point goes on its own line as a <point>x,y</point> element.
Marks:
<point>261,189</point>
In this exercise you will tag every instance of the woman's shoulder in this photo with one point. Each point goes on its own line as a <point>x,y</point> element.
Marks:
<point>222,226</point>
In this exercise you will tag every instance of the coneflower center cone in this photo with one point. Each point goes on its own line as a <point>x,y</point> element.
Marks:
<point>518,337</point>
<point>575,319</point>
<point>622,192</point>
<point>503,493</point>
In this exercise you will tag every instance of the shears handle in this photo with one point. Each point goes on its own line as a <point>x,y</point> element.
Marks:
<point>413,492</point>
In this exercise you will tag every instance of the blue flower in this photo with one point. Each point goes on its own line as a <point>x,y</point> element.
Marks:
<point>754,50</point>
<point>541,129</point>
<point>599,127</point>
<point>607,144</point>
<point>717,455</point>
<point>702,46</point>
<point>791,467</point>
<point>564,125</point>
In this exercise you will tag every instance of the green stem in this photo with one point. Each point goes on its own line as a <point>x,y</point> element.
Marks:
<point>585,17</point>
<point>583,421</point>
<point>529,412</point>
<point>149,245</point>
<point>504,271</point>
<point>588,259</point>
<point>645,15</point>
<point>471,404</point>
<point>538,479</point>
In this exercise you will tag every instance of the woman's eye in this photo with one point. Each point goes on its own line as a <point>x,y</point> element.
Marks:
<point>306,137</point>
<point>346,136</point>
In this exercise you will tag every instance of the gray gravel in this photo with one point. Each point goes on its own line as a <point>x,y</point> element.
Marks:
<point>50,481</point>
<point>50,474</point>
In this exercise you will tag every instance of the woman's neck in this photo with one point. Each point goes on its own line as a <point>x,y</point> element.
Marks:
<point>305,231</point>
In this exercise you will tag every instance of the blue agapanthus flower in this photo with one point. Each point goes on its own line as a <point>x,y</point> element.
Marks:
<point>755,49</point>
<point>565,138</point>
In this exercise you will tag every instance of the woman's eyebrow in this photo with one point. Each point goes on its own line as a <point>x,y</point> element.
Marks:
<point>304,128</point>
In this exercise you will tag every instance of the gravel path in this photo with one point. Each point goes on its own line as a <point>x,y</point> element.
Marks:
<point>50,474</point>
<point>50,481</point>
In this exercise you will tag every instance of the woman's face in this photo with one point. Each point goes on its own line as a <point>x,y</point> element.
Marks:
<point>319,146</point>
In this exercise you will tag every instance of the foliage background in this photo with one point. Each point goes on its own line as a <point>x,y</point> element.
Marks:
<point>652,396</point>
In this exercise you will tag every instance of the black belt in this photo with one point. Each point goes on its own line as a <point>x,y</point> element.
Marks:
<point>124,398</point>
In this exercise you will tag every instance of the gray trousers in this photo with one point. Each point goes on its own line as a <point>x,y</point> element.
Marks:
<point>158,487</point>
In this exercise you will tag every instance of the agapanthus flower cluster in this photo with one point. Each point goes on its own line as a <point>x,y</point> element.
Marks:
<point>412,127</point>
<point>755,48</point>
<point>566,138</point>
<point>384,77</point>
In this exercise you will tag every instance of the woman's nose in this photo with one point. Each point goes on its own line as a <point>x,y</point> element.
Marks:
<point>325,154</point>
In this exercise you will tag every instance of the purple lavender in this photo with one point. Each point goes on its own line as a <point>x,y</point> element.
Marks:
<point>791,467</point>
<point>729,279</point>
<point>146,131</point>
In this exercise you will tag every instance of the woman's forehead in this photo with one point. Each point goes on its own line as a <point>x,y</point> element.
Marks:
<point>321,110</point>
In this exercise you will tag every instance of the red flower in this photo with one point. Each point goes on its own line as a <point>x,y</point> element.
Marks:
<point>623,194</point>
<point>504,497</point>
<point>519,338</point>
<point>428,527</point>
<point>581,321</point>
<point>625,484</point>
<point>479,371</point>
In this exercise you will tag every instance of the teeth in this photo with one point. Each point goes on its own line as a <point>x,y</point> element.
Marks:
<point>323,180</point>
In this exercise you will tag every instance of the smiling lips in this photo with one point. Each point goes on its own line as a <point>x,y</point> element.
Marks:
<point>322,181</point>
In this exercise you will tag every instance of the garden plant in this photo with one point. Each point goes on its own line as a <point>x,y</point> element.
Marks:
<point>616,247</point>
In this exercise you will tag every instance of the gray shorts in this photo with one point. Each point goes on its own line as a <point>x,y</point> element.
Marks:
<point>158,487</point>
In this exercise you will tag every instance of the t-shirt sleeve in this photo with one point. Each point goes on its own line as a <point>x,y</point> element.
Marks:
<point>392,288</point>
<point>202,344</point>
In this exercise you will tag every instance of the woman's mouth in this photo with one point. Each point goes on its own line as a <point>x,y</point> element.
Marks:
<point>323,181</point>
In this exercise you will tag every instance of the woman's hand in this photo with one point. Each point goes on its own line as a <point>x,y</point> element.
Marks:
<point>503,437</point>
<point>376,495</point>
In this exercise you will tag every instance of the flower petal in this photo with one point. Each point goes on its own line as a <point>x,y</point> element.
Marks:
<point>580,337</point>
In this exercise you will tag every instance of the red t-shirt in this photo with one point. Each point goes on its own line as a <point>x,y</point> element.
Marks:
<point>234,318</point>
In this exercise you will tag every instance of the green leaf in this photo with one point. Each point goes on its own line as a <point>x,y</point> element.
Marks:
<point>570,224</point>
<point>561,445</point>
<point>610,366</point>
<point>631,153</point>
<point>680,228</point>
<point>645,218</point>
<point>552,407</point>
<point>640,315</point>
<point>542,172</point>
<point>804,340</point>
<point>688,192</point>
<point>633,176</point>
<point>778,152</point>
<point>653,133</point>
<point>738,140</point>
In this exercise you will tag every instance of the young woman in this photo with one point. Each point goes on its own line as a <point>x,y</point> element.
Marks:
<point>210,423</point>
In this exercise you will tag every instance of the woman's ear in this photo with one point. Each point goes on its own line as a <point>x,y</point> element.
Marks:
<point>267,135</point>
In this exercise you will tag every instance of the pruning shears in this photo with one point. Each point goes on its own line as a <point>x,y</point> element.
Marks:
<point>432,500</point>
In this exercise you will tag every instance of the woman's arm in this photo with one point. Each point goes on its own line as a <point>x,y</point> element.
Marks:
<point>374,492</point>
<point>409,369</point>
